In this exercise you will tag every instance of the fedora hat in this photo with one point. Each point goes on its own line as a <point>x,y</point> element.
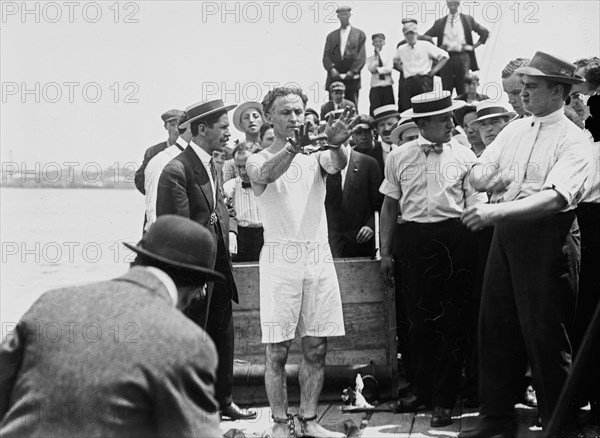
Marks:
<point>486,109</point>
<point>431,104</point>
<point>239,111</point>
<point>203,109</point>
<point>383,112</point>
<point>181,243</point>
<point>552,68</point>
<point>398,130</point>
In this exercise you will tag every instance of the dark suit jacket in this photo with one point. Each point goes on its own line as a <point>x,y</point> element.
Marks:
<point>139,178</point>
<point>109,359</point>
<point>354,55</point>
<point>360,200</point>
<point>377,154</point>
<point>328,106</point>
<point>469,25</point>
<point>184,189</point>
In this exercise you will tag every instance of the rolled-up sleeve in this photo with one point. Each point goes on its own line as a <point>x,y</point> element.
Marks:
<point>391,183</point>
<point>569,173</point>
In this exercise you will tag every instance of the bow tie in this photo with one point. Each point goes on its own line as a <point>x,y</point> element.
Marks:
<point>435,147</point>
<point>246,185</point>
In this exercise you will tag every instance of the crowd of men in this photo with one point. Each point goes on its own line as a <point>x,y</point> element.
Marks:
<point>488,232</point>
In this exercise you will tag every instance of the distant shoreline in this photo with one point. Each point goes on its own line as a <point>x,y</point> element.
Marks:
<point>29,185</point>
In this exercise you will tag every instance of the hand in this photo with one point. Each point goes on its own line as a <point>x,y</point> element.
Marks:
<point>479,216</point>
<point>233,247</point>
<point>334,73</point>
<point>340,130</point>
<point>364,235</point>
<point>500,181</point>
<point>350,75</point>
<point>302,138</point>
<point>387,270</point>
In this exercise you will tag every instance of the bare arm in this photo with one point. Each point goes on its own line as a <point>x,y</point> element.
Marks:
<point>387,221</point>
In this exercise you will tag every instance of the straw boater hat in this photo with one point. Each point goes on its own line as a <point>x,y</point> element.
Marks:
<point>552,68</point>
<point>181,243</point>
<point>203,109</point>
<point>239,112</point>
<point>384,112</point>
<point>432,103</point>
<point>398,130</point>
<point>486,109</point>
<point>337,85</point>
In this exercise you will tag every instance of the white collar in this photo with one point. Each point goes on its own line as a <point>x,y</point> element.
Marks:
<point>202,154</point>
<point>422,141</point>
<point>550,118</point>
<point>181,142</point>
<point>166,281</point>
<point>387,146</point>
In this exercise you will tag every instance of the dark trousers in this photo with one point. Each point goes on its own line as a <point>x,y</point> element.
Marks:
<point>219,326</point>
<point>454,72</point>
<point>436,268</point>
<point>343,244</point>
<point>588,299</point>
<point>379,96</point>
<point>250,241</point>
<point>402,321</point>
<point>527,306</point>
<point>412,86</point>
<point>352,88</point>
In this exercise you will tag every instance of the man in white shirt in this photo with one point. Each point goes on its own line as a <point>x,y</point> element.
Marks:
<point>155,167</point>
<point>535,171</point>
<point>381,68</point>
<point>415,60</point>
<point>344,55</point>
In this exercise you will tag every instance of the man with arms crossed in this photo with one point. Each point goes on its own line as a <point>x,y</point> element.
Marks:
<point>535,170</point>
<point>298,282</point>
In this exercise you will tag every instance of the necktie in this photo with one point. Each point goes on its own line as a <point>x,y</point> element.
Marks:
<point>435,147</point>
<point>382,77</point>
<point>334,190</point>
<point>214,171</point>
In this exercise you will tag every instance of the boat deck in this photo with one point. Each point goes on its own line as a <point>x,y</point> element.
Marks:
<point>387,424</point>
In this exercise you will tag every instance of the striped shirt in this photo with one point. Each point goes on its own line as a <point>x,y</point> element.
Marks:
<point>244,203</point>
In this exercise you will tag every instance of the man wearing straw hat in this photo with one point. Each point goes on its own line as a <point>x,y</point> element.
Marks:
<point>118,358</point>
<point>190,186</point>
<point>535,171</point>
<point>426,180</point>
<point>491,119</point>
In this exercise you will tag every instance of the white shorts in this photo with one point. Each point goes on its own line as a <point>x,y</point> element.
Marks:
<point>298,290</point>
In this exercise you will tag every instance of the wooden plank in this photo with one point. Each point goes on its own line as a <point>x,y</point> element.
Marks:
<point>388,424</point>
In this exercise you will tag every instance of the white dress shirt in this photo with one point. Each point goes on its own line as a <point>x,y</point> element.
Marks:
<point>344,38</point>
<point>386,69</point>
<point>386,149</point>
<point>152,175</point>
<point>557,158</point>
<point>205,158</point>
<point>244,203</point>
<point>430,188</point>
<point>166,281</point>
<point>454,33</point>
<point>418,59</point>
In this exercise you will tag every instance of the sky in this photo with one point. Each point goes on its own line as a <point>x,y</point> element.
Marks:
<point>86,82</point>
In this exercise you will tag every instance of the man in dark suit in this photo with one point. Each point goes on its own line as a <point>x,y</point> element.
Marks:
<point>171,122</point>
<point>351,201</point>
<point>118,358</point>
<point>337,102</point>
<point>454,35</point>
<point>191,186</point>
<point>344,55</point>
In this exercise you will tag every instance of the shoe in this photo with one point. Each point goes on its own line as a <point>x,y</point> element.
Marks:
<point>410,403</point>
<point>441,417</point>
<point>491,428</point>
<point>233,412</point>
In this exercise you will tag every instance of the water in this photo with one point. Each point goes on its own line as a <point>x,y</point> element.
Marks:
<point>58,237</point>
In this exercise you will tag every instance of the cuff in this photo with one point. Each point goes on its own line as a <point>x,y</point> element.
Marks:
<point>389,189</point>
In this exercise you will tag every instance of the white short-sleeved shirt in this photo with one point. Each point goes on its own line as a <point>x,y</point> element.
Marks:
<point>430,188</point>
<point>559,159</point>
<point>418,60</point>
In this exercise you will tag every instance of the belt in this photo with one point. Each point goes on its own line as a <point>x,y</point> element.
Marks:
<point>457,53</point>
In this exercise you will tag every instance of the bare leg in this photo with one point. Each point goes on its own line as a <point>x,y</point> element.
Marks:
<point>276,383</point>
<point>312,376</point>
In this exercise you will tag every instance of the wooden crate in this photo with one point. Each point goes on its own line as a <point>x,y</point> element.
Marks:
<point>369,346</point>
